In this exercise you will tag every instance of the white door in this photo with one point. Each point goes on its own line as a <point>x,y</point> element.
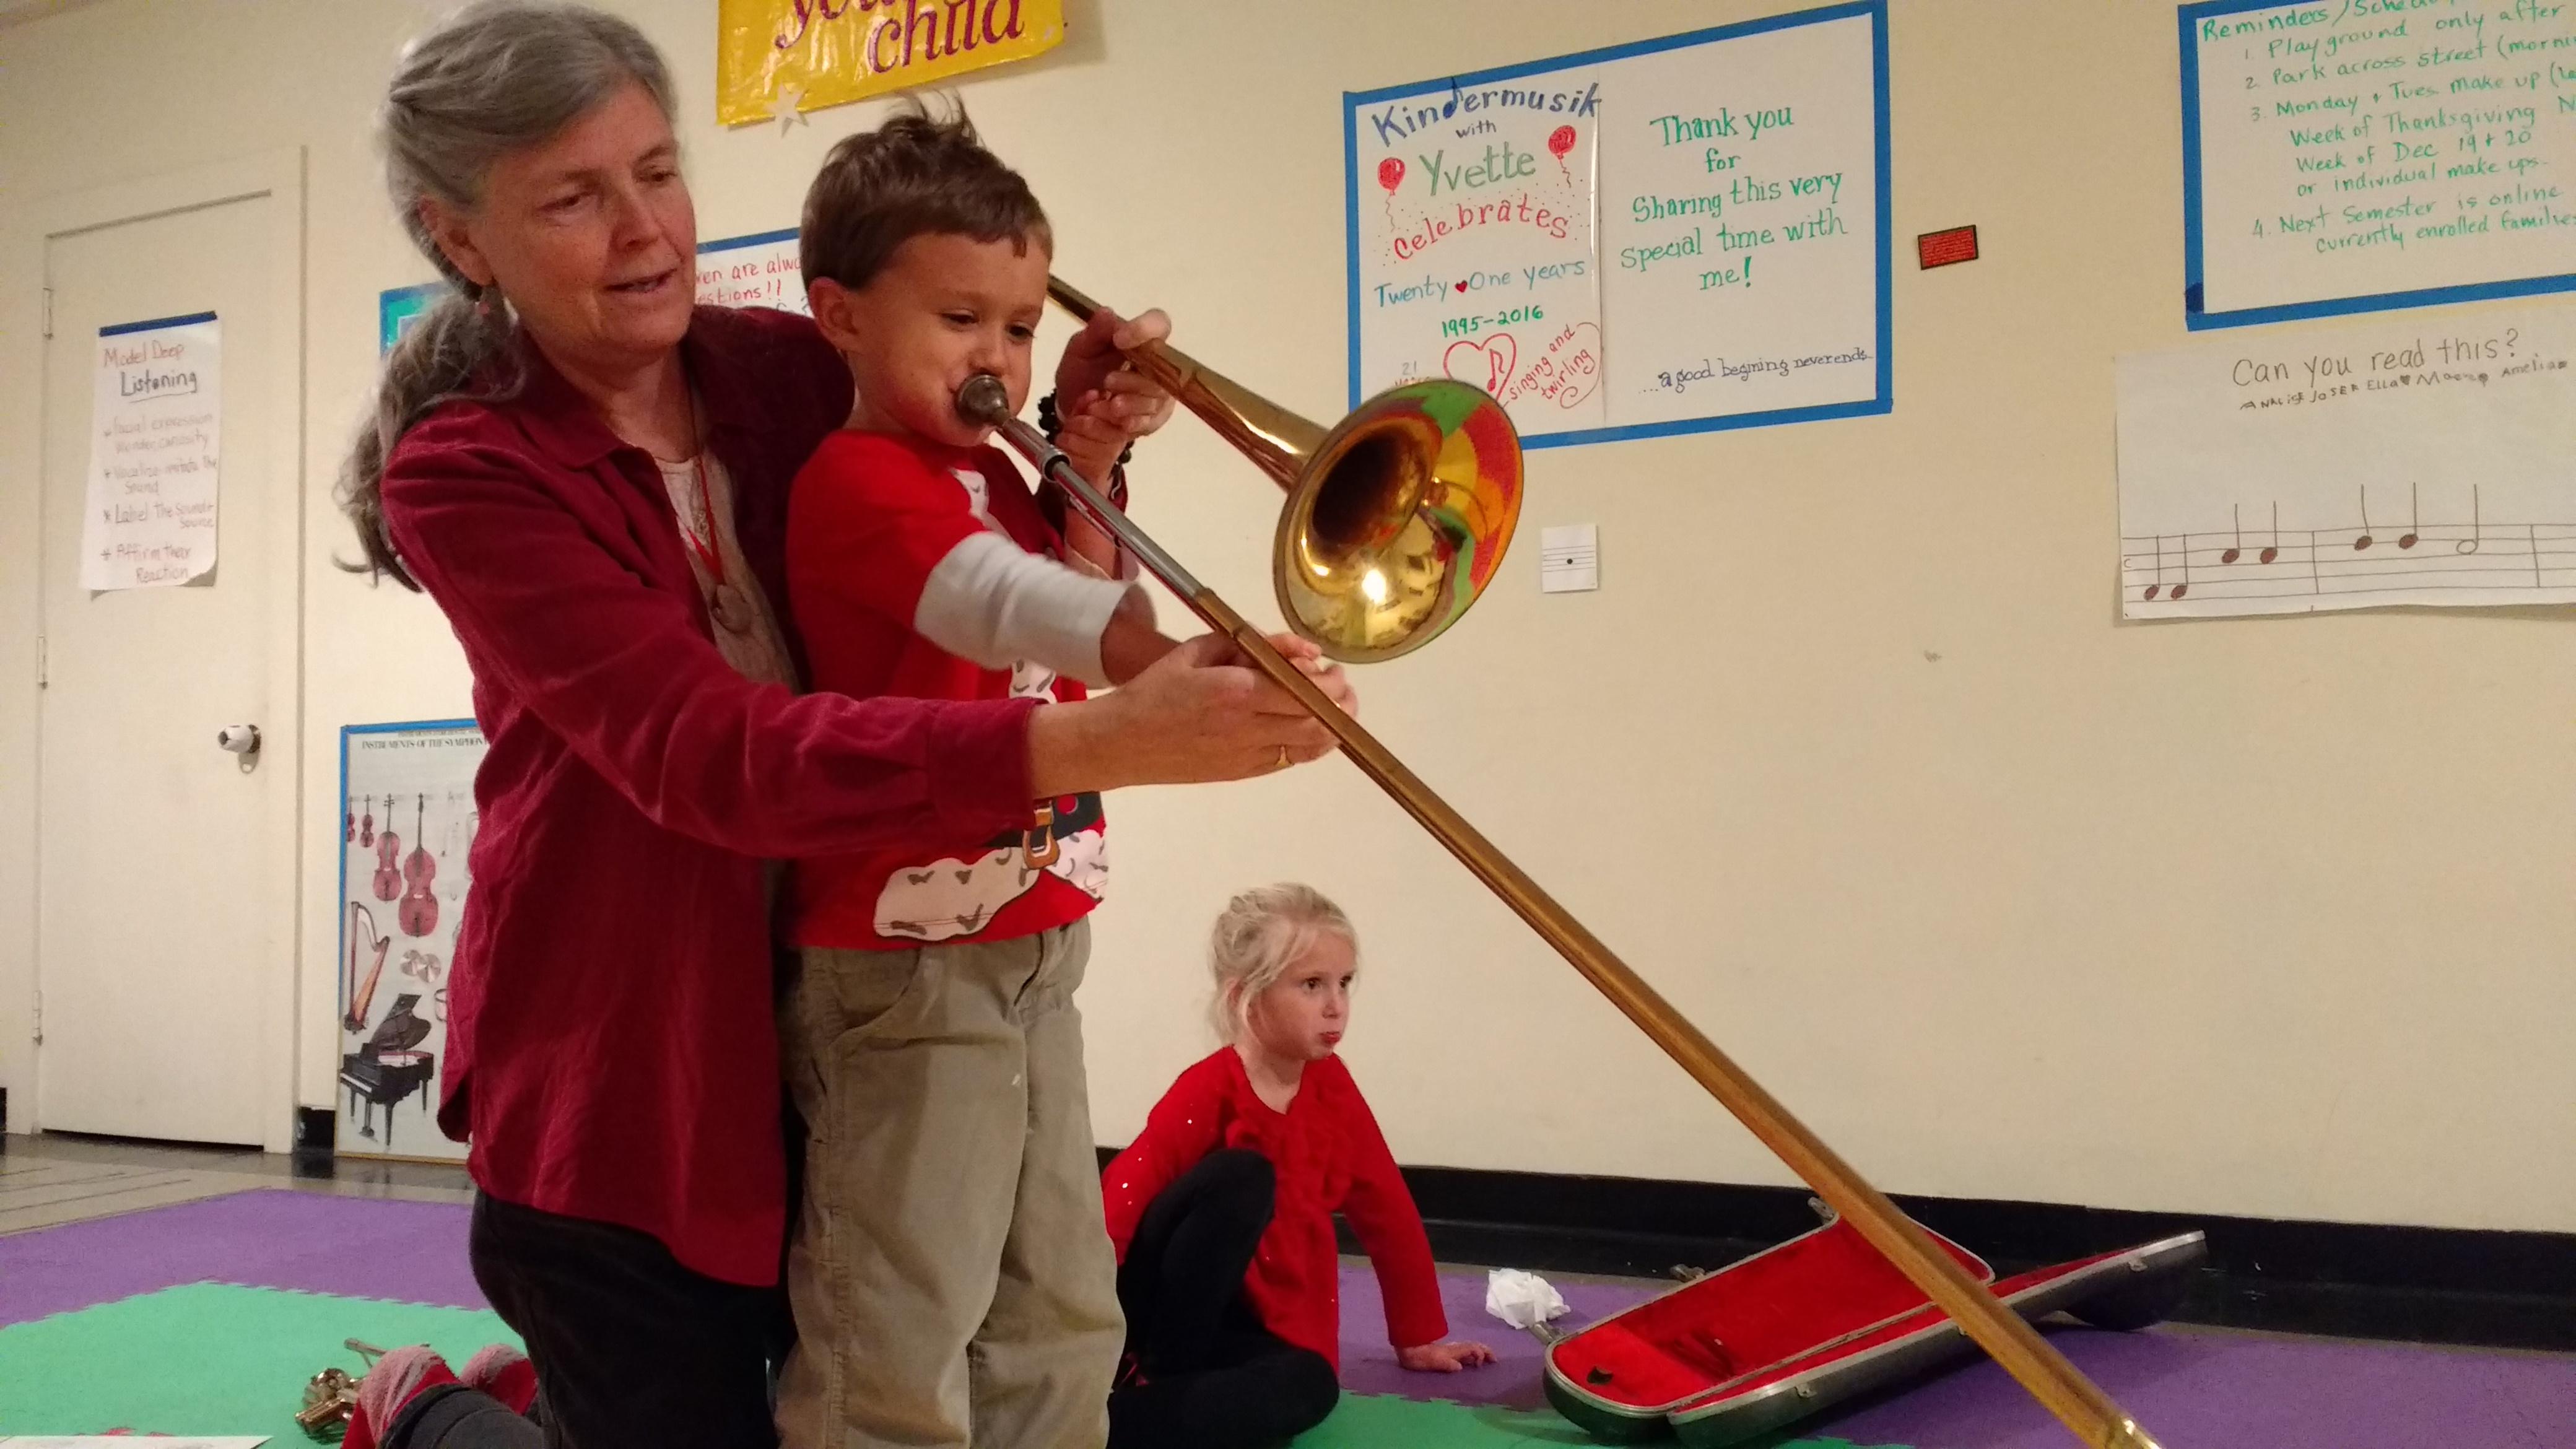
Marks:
<point>160,934</point>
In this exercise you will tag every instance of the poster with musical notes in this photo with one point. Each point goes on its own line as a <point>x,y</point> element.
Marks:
<point>407,826</point>
<point>1670,236</point>
<point>2416,461</point>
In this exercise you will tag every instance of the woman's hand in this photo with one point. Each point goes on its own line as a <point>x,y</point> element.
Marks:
<point>1196,714</point>
<point>1443,1358</point>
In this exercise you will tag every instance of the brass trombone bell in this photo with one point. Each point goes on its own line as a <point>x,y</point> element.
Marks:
<point>1398,516</point>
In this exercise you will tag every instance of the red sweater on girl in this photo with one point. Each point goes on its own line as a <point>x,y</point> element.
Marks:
<point>1329,1156</point>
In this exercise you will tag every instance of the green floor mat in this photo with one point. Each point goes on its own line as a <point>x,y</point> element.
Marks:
<point>211,1358</point>
<point>208,1358</point>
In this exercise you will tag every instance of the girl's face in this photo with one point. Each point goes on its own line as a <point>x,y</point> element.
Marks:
<point>1303,1014</point>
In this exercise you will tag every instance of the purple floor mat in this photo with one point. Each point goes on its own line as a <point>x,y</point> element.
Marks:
<point>2207,1389</point>
<point>2217,1390</point>
<point>1513,1380</point>
<point>267,1238</point>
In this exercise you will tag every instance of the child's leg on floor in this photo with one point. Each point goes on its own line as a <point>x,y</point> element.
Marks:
<point>1045,1356</point>
<point>1212,1378</point>
<point>1262,1393</point>
<point>1183,1278</point>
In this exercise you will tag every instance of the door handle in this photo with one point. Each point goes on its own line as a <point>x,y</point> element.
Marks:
<point>242,740</point>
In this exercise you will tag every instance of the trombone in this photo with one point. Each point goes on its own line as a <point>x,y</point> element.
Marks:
<point>1396,520</point>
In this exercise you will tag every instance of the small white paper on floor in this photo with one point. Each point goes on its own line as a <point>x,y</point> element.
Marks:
<point>1523,1300</point>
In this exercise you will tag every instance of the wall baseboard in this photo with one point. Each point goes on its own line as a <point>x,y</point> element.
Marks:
<point>2351,1280</point>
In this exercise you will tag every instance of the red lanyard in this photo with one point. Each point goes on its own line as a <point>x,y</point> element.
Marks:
<point>709,551</point>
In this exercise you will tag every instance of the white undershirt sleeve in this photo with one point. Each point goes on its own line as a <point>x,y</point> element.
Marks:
<point>994,603</point>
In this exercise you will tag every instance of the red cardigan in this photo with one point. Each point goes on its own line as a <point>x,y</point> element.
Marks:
<point>610,1049</point>
<point>1329,1157</point>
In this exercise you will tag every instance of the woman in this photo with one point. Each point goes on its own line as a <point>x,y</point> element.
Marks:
<point>589,475</point>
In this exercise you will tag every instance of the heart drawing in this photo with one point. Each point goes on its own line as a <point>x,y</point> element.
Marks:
<point>1487,364</point>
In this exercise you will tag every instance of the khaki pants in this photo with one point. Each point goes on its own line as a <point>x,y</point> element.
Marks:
<point>952,1278</point>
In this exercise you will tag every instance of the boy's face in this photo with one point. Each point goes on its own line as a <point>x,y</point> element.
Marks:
<point>943,309</point>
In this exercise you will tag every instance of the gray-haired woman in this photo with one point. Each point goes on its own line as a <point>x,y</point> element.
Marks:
<point>589,475</point>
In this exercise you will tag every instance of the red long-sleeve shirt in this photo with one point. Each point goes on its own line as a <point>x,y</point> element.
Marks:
<point>1328,1156</point>
<point>610,1050</point>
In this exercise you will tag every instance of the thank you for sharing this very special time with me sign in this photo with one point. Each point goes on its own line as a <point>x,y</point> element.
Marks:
<point>1668,236</point>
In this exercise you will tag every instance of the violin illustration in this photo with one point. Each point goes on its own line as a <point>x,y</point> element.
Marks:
<point>367,825</point>
<point>388,881</point>
<point>348,825</point>
<point>362,994</point>
<point>419,911</point>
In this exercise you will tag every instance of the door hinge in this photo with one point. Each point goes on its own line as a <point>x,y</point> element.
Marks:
<point>42,677</point>
<point>49,311</point>
<point>40,1017</point>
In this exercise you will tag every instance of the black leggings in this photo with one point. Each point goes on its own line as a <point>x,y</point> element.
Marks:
<point>632,1350</point>
<point>1211,1376</point>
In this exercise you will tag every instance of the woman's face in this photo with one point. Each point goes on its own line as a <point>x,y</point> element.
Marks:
<point>1302,1016</point>
<point>590,234</point>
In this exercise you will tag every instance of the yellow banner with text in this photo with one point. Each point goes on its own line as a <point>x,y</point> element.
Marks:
<point>774,54</point>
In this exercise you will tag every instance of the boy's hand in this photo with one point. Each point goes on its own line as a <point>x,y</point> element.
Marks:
<point>1096,427</point>
<point>1443,1358</point>
<point>1092,372</point>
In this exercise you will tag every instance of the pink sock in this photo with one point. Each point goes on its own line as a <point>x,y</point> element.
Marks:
<point>396,1380</point>
<point>504,1373</point>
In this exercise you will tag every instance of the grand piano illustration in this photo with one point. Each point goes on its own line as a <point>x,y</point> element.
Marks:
<point>389,1069</point>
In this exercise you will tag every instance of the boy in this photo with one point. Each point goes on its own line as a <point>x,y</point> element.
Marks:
<point>952,1279</point>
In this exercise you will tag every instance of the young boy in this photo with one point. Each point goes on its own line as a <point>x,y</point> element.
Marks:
<point>952,1278</point>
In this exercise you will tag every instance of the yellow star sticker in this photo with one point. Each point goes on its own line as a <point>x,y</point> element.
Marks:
<point>782,108</point>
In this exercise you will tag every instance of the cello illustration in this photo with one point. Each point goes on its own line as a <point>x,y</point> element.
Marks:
<point>418,914</point>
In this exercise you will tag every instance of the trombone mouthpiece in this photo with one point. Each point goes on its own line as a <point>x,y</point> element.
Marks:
<point>983,399</point>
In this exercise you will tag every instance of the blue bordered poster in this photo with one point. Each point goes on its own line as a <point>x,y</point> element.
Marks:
<point>2357,155</point>
<point>407,825</point>
<point>1671,236</point>
<point>399,308</point>
<point>760,270</point>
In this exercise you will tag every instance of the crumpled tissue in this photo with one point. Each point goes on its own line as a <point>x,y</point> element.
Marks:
<point>1523,1300</point>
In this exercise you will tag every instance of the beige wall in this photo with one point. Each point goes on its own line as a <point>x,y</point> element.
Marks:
<point>1850,755</point>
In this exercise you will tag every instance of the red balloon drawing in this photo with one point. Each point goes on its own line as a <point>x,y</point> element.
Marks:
<point>1561,141</point>
<point>1390,172</point>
